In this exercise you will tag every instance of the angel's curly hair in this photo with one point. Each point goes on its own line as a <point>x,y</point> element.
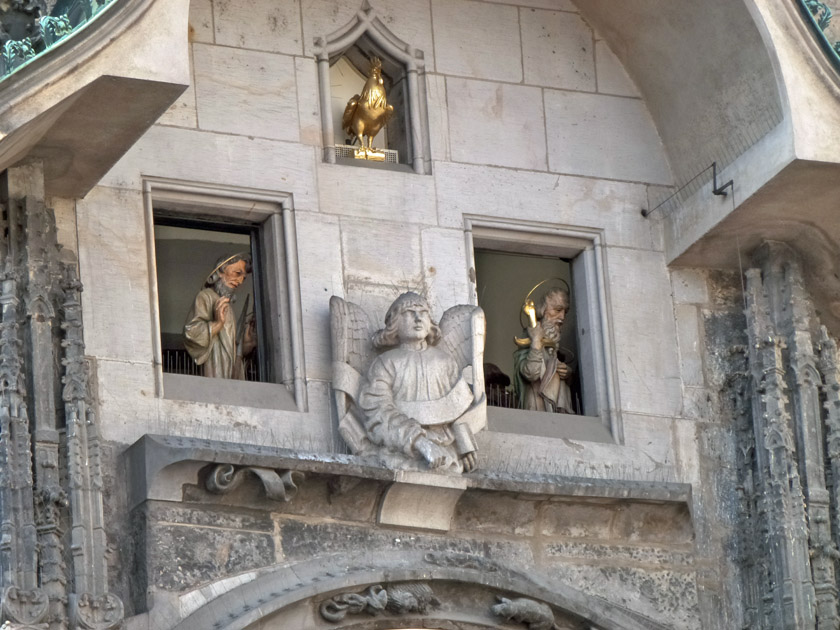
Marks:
<point>388,337</point>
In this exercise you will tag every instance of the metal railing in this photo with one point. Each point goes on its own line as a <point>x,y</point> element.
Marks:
<point>178,361</point>
<point>819,15</point>
<point>44,31</point>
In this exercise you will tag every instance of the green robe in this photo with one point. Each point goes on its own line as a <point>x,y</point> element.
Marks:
<point>536,385</point>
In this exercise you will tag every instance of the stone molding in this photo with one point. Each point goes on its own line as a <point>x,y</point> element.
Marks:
<point>340,576</point>
<point>158,467</point>
<point>368,27</point>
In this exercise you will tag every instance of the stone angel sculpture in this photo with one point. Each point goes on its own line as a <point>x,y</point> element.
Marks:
<point>411,393</point>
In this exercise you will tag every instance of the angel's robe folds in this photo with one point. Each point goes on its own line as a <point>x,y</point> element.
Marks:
<point>404,374</point>
<point>217,354</point>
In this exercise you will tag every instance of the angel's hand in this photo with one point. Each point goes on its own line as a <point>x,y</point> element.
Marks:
<point>434,454</point>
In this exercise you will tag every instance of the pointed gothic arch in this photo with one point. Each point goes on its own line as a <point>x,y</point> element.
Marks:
<point>368,33</point>
<point>467,586</point>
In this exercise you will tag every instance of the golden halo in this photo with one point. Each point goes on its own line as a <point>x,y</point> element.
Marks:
<point>537,286</point>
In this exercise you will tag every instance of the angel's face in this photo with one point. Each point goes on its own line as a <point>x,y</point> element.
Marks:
<point>414,324</point>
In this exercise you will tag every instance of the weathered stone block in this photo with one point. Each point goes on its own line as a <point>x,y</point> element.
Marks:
<point>480,40</point>
<point>558,5</point>
<point>410,20</point>
<point>436,104</point>
<point>558,50</point>
<point>220,158</point>
<point>686,450</point>
<point>611,206</point>
<point>304,540</point>
<point>182,112</point>
<point>319,256</point>
<point>612,137</point>
<point>670,597</point>
<point>201,21</point>
<point>689,286</point>
<point>496,123</point>
<point>246,92</point>
<point>181,557</point>
<point>688,338</point>
<point>612,554</point>
<point>447,283</point>
<point>643,321</point>
<point>259,25</point>
<point>113,266</point>
<point>620,521</point>
<point>385,253</point>
<point>493,512</point>
<point>612,77</point>
<point>183,514</point>
<point>309,108</point>
<point>652,435</point>
<point>376,194</point>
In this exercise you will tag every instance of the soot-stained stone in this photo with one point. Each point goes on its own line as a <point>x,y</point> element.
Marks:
<point>185,556</point>
<point>305,540</point>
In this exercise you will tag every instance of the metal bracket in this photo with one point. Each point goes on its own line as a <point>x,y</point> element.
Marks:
<point>719,190</point>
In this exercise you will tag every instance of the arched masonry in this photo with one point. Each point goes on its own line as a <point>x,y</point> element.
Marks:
<point>464,587</point>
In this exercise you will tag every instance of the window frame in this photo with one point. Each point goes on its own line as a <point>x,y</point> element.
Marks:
<point>586,249</point>
<point>367,32</point>
<point>271,214</point>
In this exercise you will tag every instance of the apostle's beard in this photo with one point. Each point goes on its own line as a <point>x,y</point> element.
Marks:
<point>551,329</point>
<point>224,290</point>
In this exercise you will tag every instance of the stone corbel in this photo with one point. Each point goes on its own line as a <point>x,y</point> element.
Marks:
<point>279,485</point>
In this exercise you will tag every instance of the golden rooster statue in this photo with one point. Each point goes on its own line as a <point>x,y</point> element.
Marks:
<point>366,114</point>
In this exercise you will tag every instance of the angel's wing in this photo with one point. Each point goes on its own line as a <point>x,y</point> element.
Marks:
<point>463,330</point>
<point>351,331</point>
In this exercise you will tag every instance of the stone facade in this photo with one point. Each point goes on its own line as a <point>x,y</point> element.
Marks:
<point>698,491</point>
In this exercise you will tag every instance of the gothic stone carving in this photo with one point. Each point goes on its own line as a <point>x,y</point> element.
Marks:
<point>417,405</point>
<point>400,599</point>
<point>41,327</point>
<point>98,613</point>
<point>279,486</point>
<point>25,608</point>
<point>536,615</point>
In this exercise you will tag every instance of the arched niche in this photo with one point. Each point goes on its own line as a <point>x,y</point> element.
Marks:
<point>403,66</point>
<point>467,587</point>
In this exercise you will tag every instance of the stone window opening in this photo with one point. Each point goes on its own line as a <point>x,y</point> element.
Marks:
<point>501,277</point>
<point>193,231</point>
<point>185,252</point>
<point>506,260</point>
<point>344,58</point>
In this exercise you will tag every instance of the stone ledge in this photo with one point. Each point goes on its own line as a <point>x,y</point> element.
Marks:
<point>184,457</point>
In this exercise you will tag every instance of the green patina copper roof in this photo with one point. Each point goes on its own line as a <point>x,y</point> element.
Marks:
<point>819,15</point>
<point>67,17</point>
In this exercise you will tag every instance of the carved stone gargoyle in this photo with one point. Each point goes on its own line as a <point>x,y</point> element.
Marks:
<point>411,393</point>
